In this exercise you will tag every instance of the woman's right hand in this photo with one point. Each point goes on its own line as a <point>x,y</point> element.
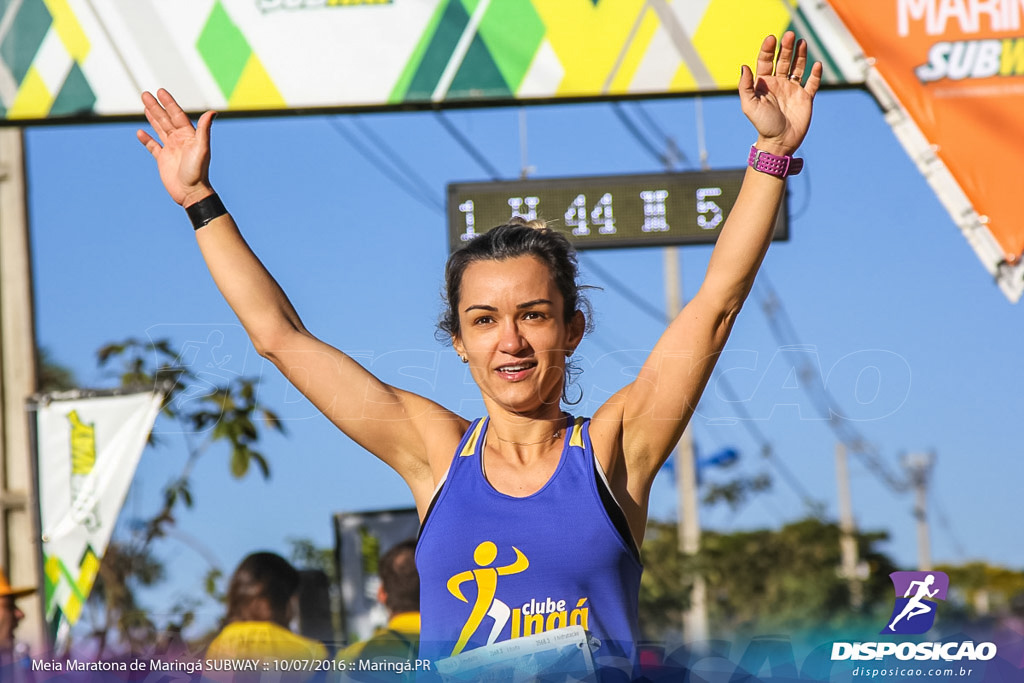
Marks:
<point>183,152</point>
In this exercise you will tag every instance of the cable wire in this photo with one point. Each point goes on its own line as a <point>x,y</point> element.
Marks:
<point>673,154</point>
<point>744,417</point>
<point>766,448</point>
<point>649,121</point>
<point>624,291</point>
<point>785,334</point>
<point>468,147</point>
<point>396,159</point>
<point>426,200</point>
<point>947,527</point>
<point>638,135</point>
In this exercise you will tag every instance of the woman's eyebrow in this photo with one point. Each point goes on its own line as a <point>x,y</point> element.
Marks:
<point>527,304</point>
<point>535,302</point>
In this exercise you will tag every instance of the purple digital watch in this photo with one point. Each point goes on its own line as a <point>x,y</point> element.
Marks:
<point>772,164</point>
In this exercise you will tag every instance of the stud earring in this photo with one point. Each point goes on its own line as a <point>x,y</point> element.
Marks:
<point>463,359</point>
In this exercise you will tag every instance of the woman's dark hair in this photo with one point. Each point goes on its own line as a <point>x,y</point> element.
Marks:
<point>516,238</point>
<point>262,582</point>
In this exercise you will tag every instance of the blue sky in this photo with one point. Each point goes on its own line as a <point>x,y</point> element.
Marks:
<point>914,340</point>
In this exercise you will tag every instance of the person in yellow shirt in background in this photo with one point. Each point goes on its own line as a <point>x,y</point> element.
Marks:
<point>398,642</point>
<point>262,601</point>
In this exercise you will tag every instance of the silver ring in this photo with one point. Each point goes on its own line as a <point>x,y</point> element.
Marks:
<point>794,77</point>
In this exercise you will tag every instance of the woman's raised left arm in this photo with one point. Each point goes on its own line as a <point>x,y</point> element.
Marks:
<point>652,411</point>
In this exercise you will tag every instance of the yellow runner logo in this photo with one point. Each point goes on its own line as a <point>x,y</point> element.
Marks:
<point>486,604</point>
<point>83,460</point>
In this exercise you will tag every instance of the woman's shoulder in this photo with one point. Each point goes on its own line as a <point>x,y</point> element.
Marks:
<point>443,438</point>
<point>605,430</point>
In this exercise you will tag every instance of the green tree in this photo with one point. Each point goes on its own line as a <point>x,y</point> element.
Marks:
<point>124,568</point>
<point>225,413</point>
<point>978,589</point>
<point>305,554</point>
<point>761,580</point>
<point>53,376</point>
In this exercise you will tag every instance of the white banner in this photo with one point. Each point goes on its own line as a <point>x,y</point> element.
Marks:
<point>87,450</point>
<point>87,58</point>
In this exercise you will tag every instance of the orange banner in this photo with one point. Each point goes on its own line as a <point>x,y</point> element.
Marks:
<point>957,66</point>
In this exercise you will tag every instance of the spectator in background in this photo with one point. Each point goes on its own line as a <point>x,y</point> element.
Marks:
<point>399,592</point>
<point>262,601</point>
<point>10,615</point>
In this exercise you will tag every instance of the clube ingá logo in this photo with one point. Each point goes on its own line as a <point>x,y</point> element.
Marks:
<point>917,595</point>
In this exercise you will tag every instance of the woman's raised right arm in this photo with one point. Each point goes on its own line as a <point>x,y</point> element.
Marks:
<point>397,426</point>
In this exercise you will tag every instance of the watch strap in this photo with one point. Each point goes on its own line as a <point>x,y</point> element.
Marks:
<point>772,164</point>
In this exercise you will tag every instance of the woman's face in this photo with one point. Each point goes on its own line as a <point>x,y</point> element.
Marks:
<point>514,334</point>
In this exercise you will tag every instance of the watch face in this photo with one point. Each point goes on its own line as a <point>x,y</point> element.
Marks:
<point>597,212</point>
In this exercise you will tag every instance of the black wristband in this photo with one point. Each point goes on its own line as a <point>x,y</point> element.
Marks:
<point>205,210</point>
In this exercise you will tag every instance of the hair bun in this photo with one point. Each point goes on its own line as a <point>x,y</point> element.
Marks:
<point>536,223</point>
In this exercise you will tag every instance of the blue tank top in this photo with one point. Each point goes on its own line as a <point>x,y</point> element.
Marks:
<point>495,567</point>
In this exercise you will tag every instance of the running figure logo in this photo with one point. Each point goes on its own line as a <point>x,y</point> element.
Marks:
<point>486,578</point>
<point>915,611</point>
<point>84,505</point>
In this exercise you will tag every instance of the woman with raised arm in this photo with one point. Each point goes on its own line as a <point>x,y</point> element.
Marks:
<point>534,525</point>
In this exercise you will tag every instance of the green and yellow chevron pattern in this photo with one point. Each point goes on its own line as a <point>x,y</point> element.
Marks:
<point>41,49</point>
<point>72,57</point>
<point>67,588</point>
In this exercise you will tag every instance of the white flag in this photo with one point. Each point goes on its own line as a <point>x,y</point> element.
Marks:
<point>87,450</point>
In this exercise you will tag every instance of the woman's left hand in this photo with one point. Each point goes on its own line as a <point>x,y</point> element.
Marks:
<point>774,99</point>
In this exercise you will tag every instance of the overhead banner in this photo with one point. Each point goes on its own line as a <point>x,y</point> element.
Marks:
<point>87,58</point>
<point>950,75</point>
<point>87,450</point>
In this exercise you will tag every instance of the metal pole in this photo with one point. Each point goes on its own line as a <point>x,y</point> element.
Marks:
<point>524,158</point>
<point>924,551</point>
<point>918,466</point>
<point>19,537</point>
<point>695,619</point>
<point>847,531</point>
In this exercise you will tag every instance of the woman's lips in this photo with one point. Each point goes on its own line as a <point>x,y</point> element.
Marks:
<point>514,372</point>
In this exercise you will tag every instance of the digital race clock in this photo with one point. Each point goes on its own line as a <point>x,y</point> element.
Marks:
<point>600,212</point>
